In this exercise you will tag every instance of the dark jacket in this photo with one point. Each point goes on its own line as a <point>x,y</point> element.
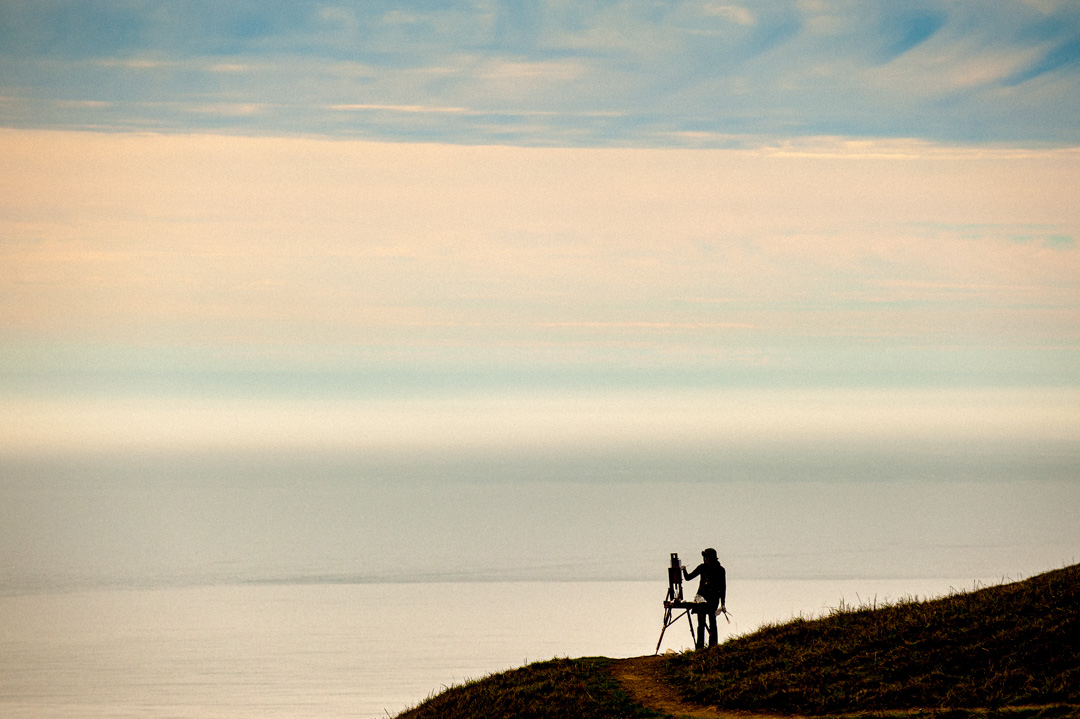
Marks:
<point>713,585</point>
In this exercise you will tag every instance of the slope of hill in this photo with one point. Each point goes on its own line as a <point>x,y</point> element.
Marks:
<point>1014,644</point>
<point>560,688</point>
<point>1011,651</point>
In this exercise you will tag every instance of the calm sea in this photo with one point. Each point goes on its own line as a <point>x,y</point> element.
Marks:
<point>354,581</point>
<point>343,650</point>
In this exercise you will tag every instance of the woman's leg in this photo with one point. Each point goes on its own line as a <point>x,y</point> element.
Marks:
<point>710,614</point>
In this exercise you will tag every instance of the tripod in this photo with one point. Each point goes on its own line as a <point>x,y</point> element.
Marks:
<point>675,601</point>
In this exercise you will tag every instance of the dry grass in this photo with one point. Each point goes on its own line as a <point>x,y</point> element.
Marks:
<point>1011,645</point>
<point>557,689</point>
<point>1005,652</point>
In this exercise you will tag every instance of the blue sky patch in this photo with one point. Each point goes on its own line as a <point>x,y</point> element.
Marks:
<point>632,73</point>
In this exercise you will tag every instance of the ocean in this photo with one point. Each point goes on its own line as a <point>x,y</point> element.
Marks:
<point>183,560</point>
<point>332,650</point>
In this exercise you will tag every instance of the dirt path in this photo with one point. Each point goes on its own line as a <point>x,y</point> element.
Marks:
<point>640,677</point>
<point>642,680</point>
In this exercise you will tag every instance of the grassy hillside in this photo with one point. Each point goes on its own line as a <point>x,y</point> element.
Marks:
<point>1013,644</point>
<point>1010,646</point>
<point>557,689</point>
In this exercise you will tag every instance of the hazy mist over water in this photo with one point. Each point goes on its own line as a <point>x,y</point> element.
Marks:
<point>226,557</point>
<point>798,484</point>
<point>266,556</point>
<point>333,650</point>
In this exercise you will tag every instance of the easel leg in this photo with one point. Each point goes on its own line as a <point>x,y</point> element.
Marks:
<point>667,620</point>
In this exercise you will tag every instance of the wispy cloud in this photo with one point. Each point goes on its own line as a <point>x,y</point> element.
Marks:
<point>689,72</point>
<point>650,325</point>
<point>134,63</point>
<point>228,109</point>
<point>407,108</point>
<point>904,149</point>
<point>230,67</point>
<point>735,13</point>
<point>516,70</point>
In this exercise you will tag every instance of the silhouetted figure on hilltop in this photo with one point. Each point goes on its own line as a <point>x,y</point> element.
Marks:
<point>713,589</point>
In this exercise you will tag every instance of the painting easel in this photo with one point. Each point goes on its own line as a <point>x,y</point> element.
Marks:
<point>674,600</point>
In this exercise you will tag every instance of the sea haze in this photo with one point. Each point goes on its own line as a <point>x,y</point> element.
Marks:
<point>150,492</point>
<point>333,650</point>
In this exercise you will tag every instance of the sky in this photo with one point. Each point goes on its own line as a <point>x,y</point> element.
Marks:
<point>549,73</point>
<point>542,244</point>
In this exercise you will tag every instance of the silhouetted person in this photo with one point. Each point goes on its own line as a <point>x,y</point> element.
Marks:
<point>713,589</point>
